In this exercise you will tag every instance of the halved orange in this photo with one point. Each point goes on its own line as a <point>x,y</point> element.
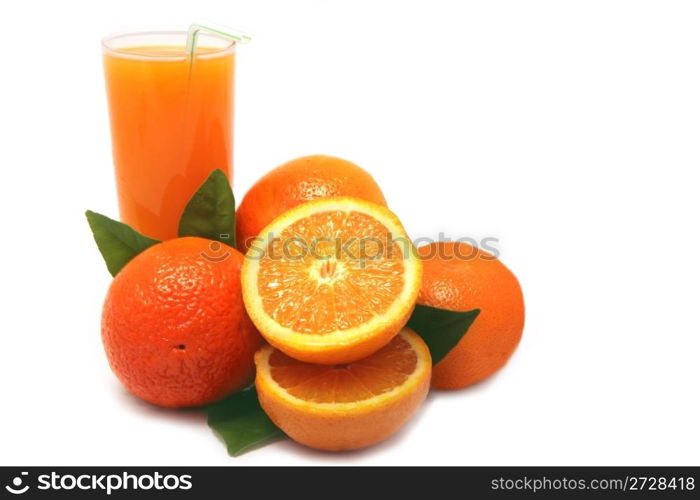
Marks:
<point>331,281</point>
<point>349,406</point>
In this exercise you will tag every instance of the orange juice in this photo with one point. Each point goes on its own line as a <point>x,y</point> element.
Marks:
<point>171,118</point>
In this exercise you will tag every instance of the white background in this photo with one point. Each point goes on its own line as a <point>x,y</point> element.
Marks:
<point>567,129</point>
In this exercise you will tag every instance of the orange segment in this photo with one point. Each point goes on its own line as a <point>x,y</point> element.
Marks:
<point>331,281</point>
<point>346,406</point>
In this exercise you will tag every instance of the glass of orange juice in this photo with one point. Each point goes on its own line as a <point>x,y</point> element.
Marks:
<point>171,117</point>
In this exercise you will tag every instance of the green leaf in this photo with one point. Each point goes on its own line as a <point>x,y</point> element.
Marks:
<point>441,329</point>
<point>117,242</point>
<point>211,212</point>
<point>242,423</point>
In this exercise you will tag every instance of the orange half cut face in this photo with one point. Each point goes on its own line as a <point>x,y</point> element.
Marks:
<point>331,281</point>
<point>347,406</point>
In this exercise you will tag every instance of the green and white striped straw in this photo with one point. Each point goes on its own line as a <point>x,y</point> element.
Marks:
<point>194,29</point>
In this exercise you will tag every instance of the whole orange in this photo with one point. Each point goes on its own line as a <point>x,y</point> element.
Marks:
<point>296,182</point>
<point>174,326</point>
<point>460,277</point>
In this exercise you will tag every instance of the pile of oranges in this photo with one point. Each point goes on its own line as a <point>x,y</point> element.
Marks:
<point>315,312</point>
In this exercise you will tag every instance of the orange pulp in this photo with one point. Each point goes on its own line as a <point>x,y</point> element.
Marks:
<point>330,271</point>
<point>379,373</point>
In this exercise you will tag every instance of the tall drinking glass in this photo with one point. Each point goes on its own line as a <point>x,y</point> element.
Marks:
<point>171,117</point>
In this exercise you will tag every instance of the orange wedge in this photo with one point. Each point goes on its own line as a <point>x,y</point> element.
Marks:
<point>349,406</point>
<point>331,281</point>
